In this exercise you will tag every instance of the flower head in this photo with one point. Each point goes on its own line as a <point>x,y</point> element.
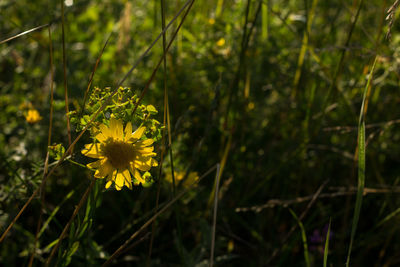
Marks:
<point>33,116</point>
<point>221,42</point>
<point>120,153</point>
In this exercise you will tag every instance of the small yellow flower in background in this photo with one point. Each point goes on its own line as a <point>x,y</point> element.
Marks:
<point>32,116</point>
<point>211,21</point>
<point>120,153</point>
<point>251,105</point>
<point>221,42</point>
<point>231,246</point>
<point>192,177</point>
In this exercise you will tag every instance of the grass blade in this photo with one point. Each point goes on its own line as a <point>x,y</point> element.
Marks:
<point>217,180</point>
<point>361,164</point>
<point>326,249</point>
<point>303,238</point>
<point>25,32</point>
<point>388,217</point>
<point>303,49</point>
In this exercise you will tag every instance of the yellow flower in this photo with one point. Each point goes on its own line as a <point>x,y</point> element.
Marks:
<point>192,177</point>
<point>251,105</point>
<point>211,21</point>
<point>120,153</point>
<point>33,116</point>
<point>221,42</point>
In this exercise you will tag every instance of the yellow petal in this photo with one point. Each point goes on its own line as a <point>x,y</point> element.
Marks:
<point>127,178</point>
<point>144,144</point>
<point>147,153</point>
<point>145,159</point>
<point>141,165</point>
<point>119,180</point>
<point>144,163</point>
<point>132,170</point>
<point>144,151</point>
<point>94,165</point>
<point>92,150</point>
<point>138,133</point>
<point>104,170</point>
<point>138,176</point>
<point>105,132</point>
<point>101,137</point>
<point>116,129</point>
<point>147,142</point>
<point>108,184</point>
<point>128,130</point>
<point>114,175</point>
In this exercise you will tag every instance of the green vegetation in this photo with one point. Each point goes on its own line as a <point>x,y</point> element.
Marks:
<point>257,133</point>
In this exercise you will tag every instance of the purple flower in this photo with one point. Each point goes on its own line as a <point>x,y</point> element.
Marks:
<point>317,239</point>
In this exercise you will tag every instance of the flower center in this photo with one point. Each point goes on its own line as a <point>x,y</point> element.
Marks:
<point>119,153</point>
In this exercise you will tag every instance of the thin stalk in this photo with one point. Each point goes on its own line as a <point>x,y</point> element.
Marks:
<point>65,73</point>
<point>221,170</point>
<point>217,180</point>
<point>341,191</point>
<point>303,49</point>
<point>218,10</point>
<point>25,32</point>
<point>264,21</point>
<point>171,159</point>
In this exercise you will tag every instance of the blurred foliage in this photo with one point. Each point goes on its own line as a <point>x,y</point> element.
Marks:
<point>230,74</point>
